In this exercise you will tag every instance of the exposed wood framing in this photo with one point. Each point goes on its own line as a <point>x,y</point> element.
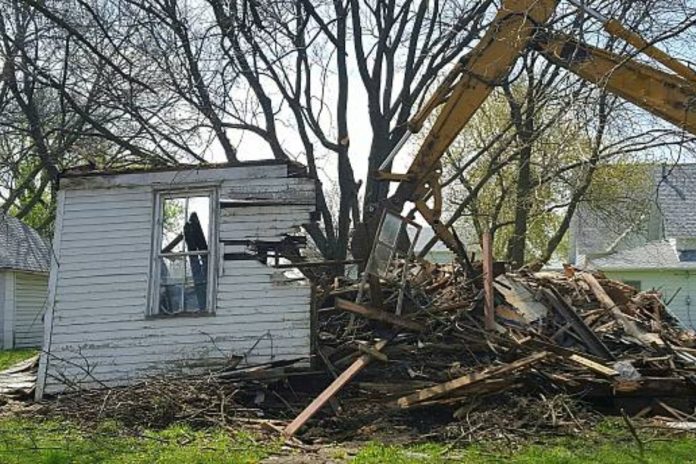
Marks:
<point>488,291</point>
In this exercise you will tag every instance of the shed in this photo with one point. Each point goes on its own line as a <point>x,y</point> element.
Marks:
<point>172,271</point>
<point>24,262</point>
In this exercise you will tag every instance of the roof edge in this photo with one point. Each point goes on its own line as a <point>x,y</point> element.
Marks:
<point>294,168</point>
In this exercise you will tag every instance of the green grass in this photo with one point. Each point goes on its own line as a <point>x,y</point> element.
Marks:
<point>564,451</point>
<point>11,357</point>
<point>30,442</point>
<point>24,441</point>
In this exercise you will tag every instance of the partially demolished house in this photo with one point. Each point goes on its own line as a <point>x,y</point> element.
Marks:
<point>168,271</point>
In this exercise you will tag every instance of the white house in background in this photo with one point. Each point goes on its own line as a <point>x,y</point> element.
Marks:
<point>439,253</point>
<point>24,262</point>
<point>652,248</point>
<point>172,270</point>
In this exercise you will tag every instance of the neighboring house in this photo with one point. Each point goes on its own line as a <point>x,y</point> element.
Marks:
<point>648,240</point>
<point>24,262</point>
<point>169,271</point>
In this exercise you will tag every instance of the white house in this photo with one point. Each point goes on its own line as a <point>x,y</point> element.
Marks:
<point>24,261</point>
<point>648,239</point>
<point>167,271</point>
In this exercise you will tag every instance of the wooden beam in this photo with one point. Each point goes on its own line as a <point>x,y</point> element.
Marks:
<point>488,295</point>
<point>469,379</point>
<point>593,366</point>
<point>330,391</point>
<point>378,315</point>
<point>630,327</point>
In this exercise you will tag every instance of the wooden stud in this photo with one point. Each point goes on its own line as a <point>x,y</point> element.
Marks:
<point>593,366</point>
<point>330,391</point>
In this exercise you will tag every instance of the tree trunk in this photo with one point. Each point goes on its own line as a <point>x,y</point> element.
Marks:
<point>516,245</point>
<point>375,190</point>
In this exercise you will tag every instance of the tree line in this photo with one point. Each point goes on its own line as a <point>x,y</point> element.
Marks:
<point>123,83</point>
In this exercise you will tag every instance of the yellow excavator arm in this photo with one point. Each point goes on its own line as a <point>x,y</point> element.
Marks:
<point>517,26</point>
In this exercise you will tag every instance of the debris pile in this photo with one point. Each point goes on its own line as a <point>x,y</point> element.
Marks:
<point>564,348</point>
<point>572,333</point>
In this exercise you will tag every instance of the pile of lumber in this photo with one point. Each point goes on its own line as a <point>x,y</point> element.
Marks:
<point>575,333</point>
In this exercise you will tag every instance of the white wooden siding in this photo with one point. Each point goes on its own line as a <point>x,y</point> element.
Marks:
<point>100,333</point>
<point>676,286</point>
<point>30,300</point>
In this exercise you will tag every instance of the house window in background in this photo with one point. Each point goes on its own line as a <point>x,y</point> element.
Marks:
<point>183,265</point>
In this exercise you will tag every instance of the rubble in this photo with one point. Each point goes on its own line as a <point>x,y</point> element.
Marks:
<point>573,333</point>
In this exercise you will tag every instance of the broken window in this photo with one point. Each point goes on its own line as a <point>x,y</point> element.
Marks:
<point>183,266</point>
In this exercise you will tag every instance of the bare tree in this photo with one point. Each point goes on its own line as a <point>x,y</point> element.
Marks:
<point>178,78</point>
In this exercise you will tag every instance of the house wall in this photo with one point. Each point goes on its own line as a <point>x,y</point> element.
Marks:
<point>440,256</point>
<point>683,305</point>
<point>98,332</point>
<point>30,299</point>
<point>2,309</point>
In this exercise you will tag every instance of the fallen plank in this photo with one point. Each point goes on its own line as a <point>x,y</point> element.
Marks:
<point>374,353</point>
<point>330,391</point>
<point>593,366</point>
<point>378,315</point>
<point>469,379</point>
<point>630,327</point>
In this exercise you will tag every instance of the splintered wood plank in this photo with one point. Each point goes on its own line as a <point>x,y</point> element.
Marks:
<point>469,379</point>
<point>630,327</point>
<point>593,366</point>
<point>330,391</point>
<point>378,315</point>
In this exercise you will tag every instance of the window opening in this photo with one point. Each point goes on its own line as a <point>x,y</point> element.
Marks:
<point>183,258</point>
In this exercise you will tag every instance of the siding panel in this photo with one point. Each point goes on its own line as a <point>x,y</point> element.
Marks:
<point>30,299</point>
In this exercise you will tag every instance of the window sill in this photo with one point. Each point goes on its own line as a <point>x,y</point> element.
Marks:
<point>179,315</point>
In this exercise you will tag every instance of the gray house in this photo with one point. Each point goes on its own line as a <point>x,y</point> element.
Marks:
<point>647,239</point>
<point>24,262</point>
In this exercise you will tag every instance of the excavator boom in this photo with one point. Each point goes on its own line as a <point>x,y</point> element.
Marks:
<point>669,96</point>
<point>518,25</point>
<point>463,91</point>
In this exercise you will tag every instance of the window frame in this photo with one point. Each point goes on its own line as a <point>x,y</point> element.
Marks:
<point>212,192</point>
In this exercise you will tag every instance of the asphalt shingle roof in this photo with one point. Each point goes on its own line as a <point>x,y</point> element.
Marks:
<point>21,247</point>
<point>676,199</point>
<point>657,254</point>
<point>668,204</point>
